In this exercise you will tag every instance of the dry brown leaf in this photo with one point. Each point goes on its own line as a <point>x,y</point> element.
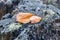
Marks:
<point>35,19</point>
<point>24,17</point>
<point>27,17</point>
